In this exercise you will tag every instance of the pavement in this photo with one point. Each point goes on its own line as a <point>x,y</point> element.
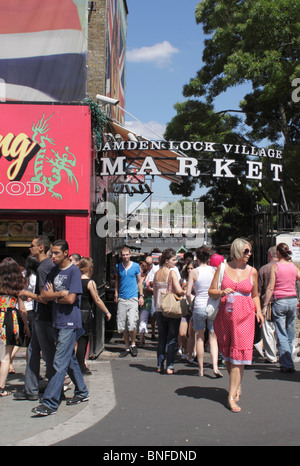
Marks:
<point>24,428</point>
<point>107,385</point>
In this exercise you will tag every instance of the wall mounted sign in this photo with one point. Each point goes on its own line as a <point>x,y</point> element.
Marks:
<point>45,157</point>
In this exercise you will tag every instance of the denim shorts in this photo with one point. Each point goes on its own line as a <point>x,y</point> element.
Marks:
<point>201,322</point>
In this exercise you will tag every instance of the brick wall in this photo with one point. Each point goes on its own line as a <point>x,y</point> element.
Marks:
<point>96,72</point>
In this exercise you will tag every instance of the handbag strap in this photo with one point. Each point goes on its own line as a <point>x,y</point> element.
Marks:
<point>221,275</point>
<point>169,281</point>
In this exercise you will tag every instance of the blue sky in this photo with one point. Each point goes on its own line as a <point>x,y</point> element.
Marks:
<point>164,51</point>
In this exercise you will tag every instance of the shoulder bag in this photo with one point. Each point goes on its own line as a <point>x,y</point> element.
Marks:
<point>269,317</point>
<point>213,304</point>
<point>173,306</point>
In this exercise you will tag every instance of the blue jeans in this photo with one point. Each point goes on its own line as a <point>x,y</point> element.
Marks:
<point>167,335</point>
<point>42,340</point>
<point>65,361</point>
<point>284,317</point>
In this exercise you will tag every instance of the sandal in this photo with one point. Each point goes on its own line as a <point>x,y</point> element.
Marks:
<point>234,408</point>
<point>171,371</point>
<point>160,370</point>
<point>67,385</point>
<point>4,392</point>
<point>217,373</point>
<point>239,393</point>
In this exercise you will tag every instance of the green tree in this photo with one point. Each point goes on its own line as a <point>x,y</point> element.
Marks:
<point>255,42</point>
<point>227,201</point>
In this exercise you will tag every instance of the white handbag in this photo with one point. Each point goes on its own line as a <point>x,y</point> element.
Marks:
<point>213,304</point>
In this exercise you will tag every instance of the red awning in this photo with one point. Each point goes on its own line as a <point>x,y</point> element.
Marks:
<point>165,160</point>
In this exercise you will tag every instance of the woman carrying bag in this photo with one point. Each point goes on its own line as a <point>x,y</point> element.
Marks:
<point>166,279</point>
<point>282,286</point>
<point>13,316</point>
<point>200,279</point>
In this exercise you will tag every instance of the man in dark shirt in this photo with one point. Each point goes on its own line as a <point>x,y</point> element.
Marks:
<point>43,335</point>
<point>64,289</point>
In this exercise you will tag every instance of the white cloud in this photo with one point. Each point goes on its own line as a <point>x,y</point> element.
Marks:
<point>151,130</point>
<point>160,54</point>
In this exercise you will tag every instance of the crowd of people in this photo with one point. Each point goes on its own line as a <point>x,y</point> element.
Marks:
<point>49,305</point>
<point>244,295</point>
<point>65,298</point>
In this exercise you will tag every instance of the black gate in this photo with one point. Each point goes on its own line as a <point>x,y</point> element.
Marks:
<point>269,222</point>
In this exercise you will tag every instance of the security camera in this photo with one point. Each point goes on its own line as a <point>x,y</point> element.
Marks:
<point>107,100</point>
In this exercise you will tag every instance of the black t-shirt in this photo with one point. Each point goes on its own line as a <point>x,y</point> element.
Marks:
<point>86,298</point>
<point>44,311</point>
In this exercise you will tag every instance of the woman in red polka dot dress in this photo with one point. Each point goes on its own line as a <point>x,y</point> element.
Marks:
<point>235,321</point>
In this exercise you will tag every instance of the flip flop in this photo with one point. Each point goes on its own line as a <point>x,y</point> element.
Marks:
<point>4,392</point>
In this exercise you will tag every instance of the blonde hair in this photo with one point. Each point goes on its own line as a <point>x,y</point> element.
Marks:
<point>85,265</point>
<point>237,247</point>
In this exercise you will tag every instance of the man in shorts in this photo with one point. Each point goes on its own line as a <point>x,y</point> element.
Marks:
<point>128,295</point>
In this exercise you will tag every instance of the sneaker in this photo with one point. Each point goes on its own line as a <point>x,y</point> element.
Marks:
<point>77,399</point>
<point>25,396</point>
<point>124,354</point>
<point>43,410</point>
<point>134,351</point>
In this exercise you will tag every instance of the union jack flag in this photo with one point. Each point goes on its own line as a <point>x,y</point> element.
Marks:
<point>43,51</point>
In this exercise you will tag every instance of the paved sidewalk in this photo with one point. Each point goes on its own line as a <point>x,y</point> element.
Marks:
<point>24,428</point>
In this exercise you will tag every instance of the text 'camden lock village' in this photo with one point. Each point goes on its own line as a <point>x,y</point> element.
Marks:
<point>188,166</point>
<point>19,150</point>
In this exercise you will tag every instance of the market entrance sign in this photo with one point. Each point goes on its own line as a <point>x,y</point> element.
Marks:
<point>188,166</point>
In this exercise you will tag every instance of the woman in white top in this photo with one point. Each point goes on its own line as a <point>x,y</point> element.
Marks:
<point>200,279</point>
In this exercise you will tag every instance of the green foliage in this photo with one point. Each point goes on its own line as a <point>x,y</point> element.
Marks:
<point>255,42</point>
<point>98,121</point>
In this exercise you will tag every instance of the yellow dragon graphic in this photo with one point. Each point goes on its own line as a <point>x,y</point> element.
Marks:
<point>65,162</point>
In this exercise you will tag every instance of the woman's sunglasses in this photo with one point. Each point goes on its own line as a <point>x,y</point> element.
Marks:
<point>247,251</point>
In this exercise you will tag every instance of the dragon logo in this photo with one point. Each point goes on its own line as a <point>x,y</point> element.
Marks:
<point>65,162</point>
